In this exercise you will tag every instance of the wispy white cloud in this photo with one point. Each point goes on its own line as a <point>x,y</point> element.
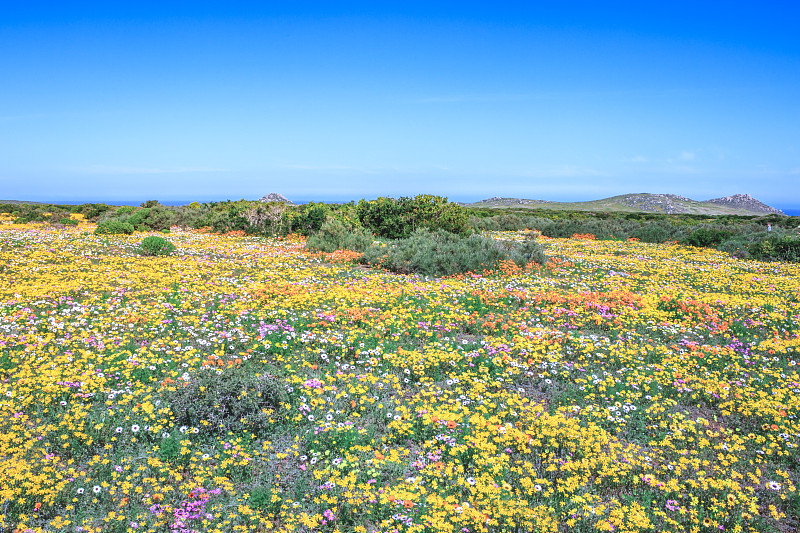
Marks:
<point>120,170</point>
<point>686,156</point>
<point>637,159</point>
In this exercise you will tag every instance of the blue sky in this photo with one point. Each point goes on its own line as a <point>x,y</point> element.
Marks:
<point>339,101</point>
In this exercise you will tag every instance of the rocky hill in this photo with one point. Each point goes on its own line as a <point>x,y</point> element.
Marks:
<point>275,197</point>
<point>745,202</point>
<point>738,204</point>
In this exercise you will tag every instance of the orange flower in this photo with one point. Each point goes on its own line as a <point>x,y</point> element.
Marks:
<point>451,424</point>
<point>408,504</point>
<point>37,506</point>
<point>379,456</point>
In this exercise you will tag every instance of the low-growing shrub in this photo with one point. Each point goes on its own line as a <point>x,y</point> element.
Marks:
<point>776,248</point>
<point>154,245</point>
<point>66,221</point>
<point>235,400</point>
<point>507,223</point>
<point>153,218</point>
<point>113,227</point>
<point>333,235</point>
<point>440,253</point>
<point>706,237</point>
<point>657,232</point>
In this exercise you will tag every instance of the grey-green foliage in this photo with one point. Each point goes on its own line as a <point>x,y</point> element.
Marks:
<point>439,253</point>
<point>235,400</point>
<point>507,223</point>
<point>334,235</point>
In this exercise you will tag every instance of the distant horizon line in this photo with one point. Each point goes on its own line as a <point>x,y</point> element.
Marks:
<point>788,209</point>
<point>341,199</point>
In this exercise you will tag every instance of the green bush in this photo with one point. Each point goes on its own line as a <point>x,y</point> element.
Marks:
<point>154,218</point>
<point>507,223</point>
<point>235,400</point>
<point>387,217</point>
<point>309,219</point>
<point>658,232</point>
<point>706,237</point>
<point>440,253</point>
<point>154,245</point>
<point>333,235</point>
<point>776,248</point>
<point>66,221</point>
<point>92,211</point>
<point>113,227</point>
<point>398,218</point>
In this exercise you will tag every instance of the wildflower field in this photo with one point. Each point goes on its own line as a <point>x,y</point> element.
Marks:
<point>243,384</point>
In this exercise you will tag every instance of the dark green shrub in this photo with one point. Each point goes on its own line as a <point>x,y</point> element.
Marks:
<point>152,218</point>
<point>68,221</point>
<point>154,245</point>
<point>436,213</point>
<point>507,223</point>
<point>776,248</point>
<point>336,236</point>
<point>310,219</point>
<point>658,232</point>
<point>441,253</point>
<point>387,217</point>
<point>787,249</point>
<point>92,211</point>
<point>113,227</point>
<point>398,218</point>
<point>235,400</point>
<point>706,237</point>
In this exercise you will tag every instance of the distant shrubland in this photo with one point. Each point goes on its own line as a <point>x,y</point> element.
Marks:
<point>355,225</point>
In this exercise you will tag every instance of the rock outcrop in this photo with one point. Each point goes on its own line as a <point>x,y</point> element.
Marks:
<point>747,202</point>
<point>660,203</point>
<point>275,197</point>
